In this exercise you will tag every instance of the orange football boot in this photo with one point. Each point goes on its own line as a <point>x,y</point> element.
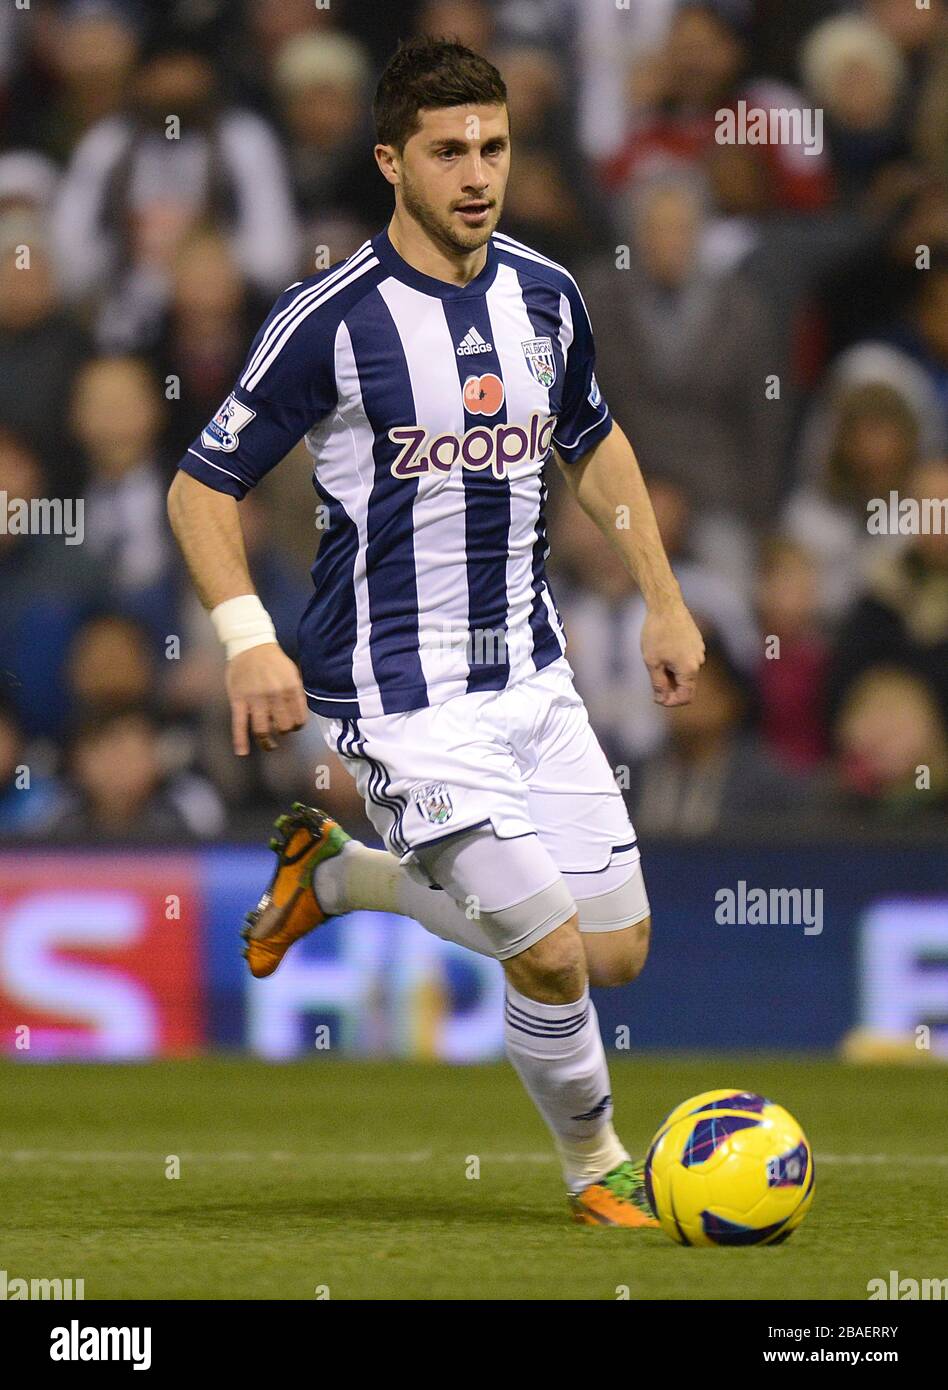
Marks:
<point>289,908</point>
<point>618,1199</point>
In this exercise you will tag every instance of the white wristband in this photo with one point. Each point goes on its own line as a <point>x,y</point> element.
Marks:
<point>242,623</point>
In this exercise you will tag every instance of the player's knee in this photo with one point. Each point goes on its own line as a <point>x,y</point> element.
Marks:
<point>619,962</point>
<point>553,970</point>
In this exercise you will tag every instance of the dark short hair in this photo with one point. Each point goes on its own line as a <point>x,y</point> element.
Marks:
<point>426,73</point>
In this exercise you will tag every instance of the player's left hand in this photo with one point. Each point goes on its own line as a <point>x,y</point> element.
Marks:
<point>673,649</point>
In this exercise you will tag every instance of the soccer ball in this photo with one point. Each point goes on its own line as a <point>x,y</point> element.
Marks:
<point>729,1168</point>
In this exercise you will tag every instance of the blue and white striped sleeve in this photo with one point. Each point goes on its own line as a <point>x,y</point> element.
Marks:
<point>584,417</point>
<point>286,387</point>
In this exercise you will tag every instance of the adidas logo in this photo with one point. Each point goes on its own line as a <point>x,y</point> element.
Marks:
<point>472,342</point>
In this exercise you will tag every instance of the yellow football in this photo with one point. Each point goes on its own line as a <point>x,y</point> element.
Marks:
<point>729,1167</point>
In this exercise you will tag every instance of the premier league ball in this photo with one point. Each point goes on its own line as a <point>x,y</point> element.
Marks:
<point>729,1168</point>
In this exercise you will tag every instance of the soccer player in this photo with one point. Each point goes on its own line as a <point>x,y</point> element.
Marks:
<point>433,374</point>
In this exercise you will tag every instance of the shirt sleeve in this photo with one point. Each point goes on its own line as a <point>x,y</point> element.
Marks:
<point>584,417</point>
<point>286,387</point>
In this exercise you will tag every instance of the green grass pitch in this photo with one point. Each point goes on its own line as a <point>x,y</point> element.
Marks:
<point>352,1177</point>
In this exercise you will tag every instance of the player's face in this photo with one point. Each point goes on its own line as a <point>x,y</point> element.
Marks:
<point>453,173</point>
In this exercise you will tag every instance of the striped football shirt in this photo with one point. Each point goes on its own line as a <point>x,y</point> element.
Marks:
<point>429,411</point>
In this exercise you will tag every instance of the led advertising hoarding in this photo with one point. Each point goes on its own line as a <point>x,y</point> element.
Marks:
<point>119,955</point>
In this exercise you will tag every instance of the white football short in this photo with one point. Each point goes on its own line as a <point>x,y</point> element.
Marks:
<point>519,762</point>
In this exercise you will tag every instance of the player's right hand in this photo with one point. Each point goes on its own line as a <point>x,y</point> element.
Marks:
<point>266,694</point>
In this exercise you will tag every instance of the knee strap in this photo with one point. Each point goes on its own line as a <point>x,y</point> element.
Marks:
<point>622,906</point>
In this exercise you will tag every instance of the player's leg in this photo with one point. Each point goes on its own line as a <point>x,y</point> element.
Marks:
<point>351,876</point>
<point>614,918</point>
<point>616,957</point>
<point>553,1041</point>
<point>504,898</point>
<point>582,822</point>
<point>322,872</point>
<point>551,1033</point>
<point>581,817</point>
<point>392,760</point>
<point>551,1030</point>
<point>501,894</point>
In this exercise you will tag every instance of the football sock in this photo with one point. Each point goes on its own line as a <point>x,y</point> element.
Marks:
<point>557,1052</point>
<point>359,877</point>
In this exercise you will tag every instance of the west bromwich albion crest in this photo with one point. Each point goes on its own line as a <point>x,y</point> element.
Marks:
<point>434,802</point>
<point>540,360</point>
<point>224,429</point>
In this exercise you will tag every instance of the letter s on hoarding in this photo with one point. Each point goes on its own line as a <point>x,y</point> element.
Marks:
<point>103,999</point>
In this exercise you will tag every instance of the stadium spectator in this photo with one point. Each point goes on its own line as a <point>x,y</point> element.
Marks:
<point>925,333</point>
<point>110,662</point>
<point>203,338</point>
<point>112,665</point>
<point>683,357</point>
<point>28,182</point>
<point>928,63</point>
<point>901,618</point>
<point>713,774</point>
<point>29,797</point>
<point>550,201</point>
<point>892,750</point>
<point>322,86</point>
<point>474,21</point>
<point>872,280</point>
<point>117,422</point>
<point>806,269</point>
<point>617,56</point>
<point>702,70</point>
<point>872,433</point>
<point>856,75</point>
<point>118,787</point>
<point>41,346</point>
<point>137,184</point>
<point>47,588</point>
<point>920,31</point>
<point>791,676</point>
<point>80,61</point>
<point>251,48</point>
<point>604,614</point>
<point>301,30</point>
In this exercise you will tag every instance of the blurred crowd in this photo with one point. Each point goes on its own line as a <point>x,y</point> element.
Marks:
<point>772,334</point>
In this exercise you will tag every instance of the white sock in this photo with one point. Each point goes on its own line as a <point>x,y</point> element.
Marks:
<point>359,877</point>
<point>558,1054</point>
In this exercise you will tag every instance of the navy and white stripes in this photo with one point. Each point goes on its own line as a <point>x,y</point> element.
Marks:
<point>351,744</point>
<point>281,326</point>
<point>428,409</point>
<point>540,1025</point>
